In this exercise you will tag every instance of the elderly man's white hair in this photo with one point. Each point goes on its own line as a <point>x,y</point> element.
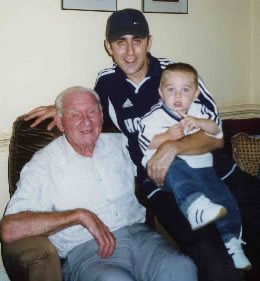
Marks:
<point>60,97</point>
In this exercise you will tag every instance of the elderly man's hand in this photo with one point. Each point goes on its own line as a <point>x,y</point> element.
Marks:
<point>41,113</point>
<point>160,162</point>
<point>105,239</point>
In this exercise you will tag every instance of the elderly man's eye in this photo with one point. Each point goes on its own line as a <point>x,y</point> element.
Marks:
<point>75,114</point>
<point>93,110</point>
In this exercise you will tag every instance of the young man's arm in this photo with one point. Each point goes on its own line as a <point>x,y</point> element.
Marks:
<point>27,224</point>
<point>197,143</point>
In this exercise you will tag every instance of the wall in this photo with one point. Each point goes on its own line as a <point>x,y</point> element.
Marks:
<point>44,49</point>
<point>255,95</point>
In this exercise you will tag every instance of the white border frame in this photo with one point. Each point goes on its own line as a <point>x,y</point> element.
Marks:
<point>90,5</point>
<point>180,7</point>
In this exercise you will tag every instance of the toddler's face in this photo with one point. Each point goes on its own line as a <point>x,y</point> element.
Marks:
<point>178,90</point>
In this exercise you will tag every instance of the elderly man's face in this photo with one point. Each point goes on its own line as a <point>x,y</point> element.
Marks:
<point>81,121</point>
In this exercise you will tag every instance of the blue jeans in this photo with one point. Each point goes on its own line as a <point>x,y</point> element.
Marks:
<point>188,184</point>
<point>140,255</point>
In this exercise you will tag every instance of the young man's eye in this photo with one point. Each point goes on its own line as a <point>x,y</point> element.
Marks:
<point>186,90</point>
<point>120,42</point>
<point>137,41</point>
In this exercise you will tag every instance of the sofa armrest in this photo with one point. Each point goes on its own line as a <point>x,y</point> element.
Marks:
<point>246,152</point>
<point>31,259</point>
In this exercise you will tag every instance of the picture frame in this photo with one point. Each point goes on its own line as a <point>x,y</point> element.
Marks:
<point>165,6</point>
<point>90,5</point>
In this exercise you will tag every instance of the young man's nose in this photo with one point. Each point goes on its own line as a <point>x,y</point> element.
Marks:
<point>130,48</point>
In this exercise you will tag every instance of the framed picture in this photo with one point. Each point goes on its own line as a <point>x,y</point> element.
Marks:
<point>165,6</point>
<point>90,5</point>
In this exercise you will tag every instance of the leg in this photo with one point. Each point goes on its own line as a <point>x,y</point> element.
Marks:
<point>155,259</point>
<point>214,189</point>
<point>182,180</point>
<point>246,190</point>
<point>105,272</point>
<point>244,187</point>
<point>230,225</point>
<point>188,185</point>
<point>199,245</point>
<point>84,264</point>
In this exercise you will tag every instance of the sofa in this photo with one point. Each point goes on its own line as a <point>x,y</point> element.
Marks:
<point>27,259</point>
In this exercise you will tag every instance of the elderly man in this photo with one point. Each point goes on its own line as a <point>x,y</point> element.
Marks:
<point>75,192</point>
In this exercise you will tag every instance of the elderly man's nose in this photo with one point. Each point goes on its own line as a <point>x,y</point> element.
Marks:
<point>85,119</point>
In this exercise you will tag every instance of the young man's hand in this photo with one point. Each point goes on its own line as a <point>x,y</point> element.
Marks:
<point>41,113</point>
<point>160,162</point>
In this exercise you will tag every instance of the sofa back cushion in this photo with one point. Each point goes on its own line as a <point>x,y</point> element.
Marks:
<point>25,141</point>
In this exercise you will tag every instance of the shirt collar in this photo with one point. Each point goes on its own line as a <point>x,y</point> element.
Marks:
<point>70,152</point>
<point>173,114</point>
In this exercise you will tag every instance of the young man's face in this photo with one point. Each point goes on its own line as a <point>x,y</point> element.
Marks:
<point>178,90</point>
<point>130,54</point>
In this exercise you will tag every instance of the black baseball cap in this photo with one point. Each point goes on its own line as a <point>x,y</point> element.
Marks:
<point>126,22</point>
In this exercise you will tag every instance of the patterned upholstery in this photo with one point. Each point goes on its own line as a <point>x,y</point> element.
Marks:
<point>246,152</point>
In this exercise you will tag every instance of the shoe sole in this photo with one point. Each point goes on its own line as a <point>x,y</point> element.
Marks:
<point>247,268</point>
<point>222,212</point>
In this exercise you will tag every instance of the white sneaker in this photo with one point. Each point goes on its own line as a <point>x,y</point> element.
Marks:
<point>237,254</point>
<point>202,212</point>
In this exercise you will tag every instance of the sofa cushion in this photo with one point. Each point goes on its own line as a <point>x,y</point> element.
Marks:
<point>246,152</point>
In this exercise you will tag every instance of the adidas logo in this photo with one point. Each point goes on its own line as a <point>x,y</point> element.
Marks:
<point>127,103</point>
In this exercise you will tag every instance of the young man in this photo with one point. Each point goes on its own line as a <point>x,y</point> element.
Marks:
<point>127,92</point>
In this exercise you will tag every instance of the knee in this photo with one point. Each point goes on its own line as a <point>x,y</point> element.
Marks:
<point>181,268</point>
<point>114,274</point>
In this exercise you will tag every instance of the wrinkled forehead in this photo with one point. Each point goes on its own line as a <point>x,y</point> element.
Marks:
<point>79,100</point>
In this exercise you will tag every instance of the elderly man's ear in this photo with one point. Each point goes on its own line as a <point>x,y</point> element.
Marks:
<point>58,122</point>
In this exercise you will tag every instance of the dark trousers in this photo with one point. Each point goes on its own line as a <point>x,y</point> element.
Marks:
<point>204,246</point>
<point>245,188</point>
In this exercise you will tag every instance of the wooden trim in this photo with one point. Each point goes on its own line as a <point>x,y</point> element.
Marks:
<point>240,111</point>
<point>4,142</point>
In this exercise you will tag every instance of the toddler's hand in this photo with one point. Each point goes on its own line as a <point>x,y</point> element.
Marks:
<point>189,123</point>
<point>176,132</point>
